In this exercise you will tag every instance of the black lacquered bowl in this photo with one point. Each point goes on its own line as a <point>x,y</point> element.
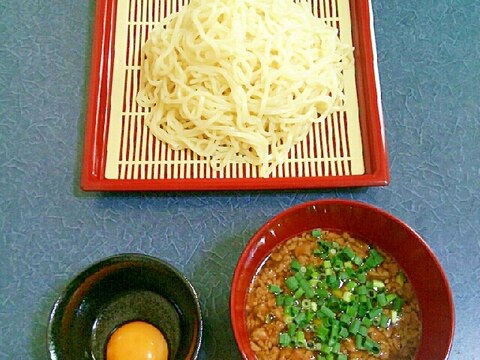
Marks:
<point>118,290</point>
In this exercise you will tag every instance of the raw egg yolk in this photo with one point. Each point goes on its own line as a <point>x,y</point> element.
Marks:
<point>137,340</point>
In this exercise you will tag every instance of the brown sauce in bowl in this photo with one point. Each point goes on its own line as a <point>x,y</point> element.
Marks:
<point>266,321</point>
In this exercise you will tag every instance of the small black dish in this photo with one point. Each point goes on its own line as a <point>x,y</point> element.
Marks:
<point>115,291</point>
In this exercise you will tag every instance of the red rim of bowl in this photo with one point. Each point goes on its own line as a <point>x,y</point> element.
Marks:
<point>238,300</point>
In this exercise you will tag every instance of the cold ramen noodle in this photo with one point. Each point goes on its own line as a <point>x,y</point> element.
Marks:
<point>323,295</point>
<point>241,81</point>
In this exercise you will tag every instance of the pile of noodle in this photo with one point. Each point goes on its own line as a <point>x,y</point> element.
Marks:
<point>241,80</point>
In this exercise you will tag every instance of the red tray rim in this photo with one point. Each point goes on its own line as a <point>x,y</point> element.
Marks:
<point>369,97</point>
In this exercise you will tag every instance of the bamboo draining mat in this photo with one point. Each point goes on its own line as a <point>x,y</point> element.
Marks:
<point>332,148</point>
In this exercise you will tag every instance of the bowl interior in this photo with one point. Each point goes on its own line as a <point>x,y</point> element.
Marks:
<point>115,291</point>
<point>374,226</point>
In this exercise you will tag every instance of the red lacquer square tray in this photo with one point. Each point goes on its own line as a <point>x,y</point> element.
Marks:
<point>347,149</point>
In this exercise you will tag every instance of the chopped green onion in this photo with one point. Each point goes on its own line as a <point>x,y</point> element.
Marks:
<point>332,281</point>
<point>349,253</point>
<point>304,284</point>
<point>284,339</point>
<point>363,331</point>
<point>359,342</point>
<point>322,293</point>
<point>350,285</point>
<point>306,304</point>
<point>327,312</point>
<point>371,345</point>
<point>362,278</point>
<point>369,304</point>
<point>317,252</point>
<point>310,315</point>
<point>288,301</point>
<point>394,316</point>
<point>398,304</point>
<point>354,327</point>
<point>376,255</point>
<point>345,318</point>
<point>357,260</point>
<point>299,338</point>
<point>299,293</point>
<point>362,310</point>
<point>334,331</point>
<point>350,272</point>
<point>292,329</point>
<point>384,321</point>
<point>322,332</point>
<point>400,278</point>
<point>338,264</point>
<point>292,283</point>
<point>295,265</point>
<point>326,349</point>
<point>378,284</point>
<point>391,297</point>
<point>362,290</point>
<point>347,296</point>
<point>352,310</point>
<point>317,233</point>
<point>372,314</point>
<point>343,276</point>
<point>366,322</point>
<point>309,293</point>
<point>299,276</point>
<point>280,300</point>
<point>343,332</point>
<point>300,317</point>
<point>274,289</point>
<point>382,299</point>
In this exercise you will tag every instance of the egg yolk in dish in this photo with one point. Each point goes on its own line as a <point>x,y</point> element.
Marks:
<point>137,340</point>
